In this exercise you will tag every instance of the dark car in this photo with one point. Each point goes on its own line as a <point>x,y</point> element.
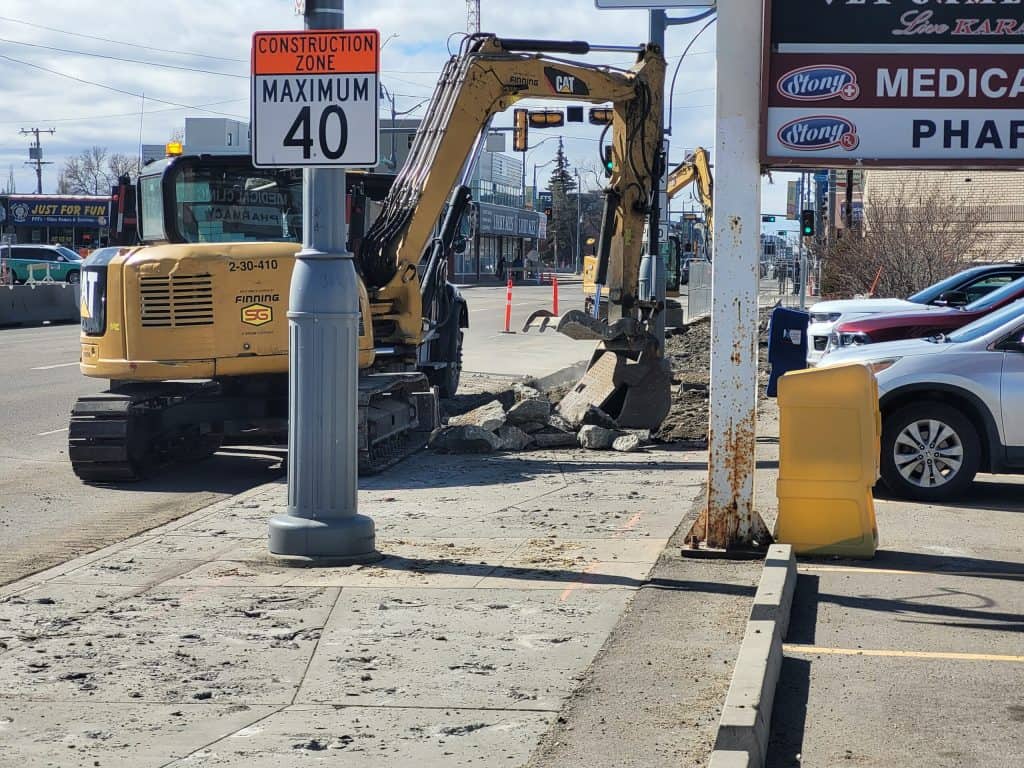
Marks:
<point>933,321</point>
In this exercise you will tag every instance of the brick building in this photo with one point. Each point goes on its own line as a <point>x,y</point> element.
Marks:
<point>993,198</point>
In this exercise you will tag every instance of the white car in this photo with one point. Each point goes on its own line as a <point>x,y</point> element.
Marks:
<point>957,290</point>
<point>951,405</point>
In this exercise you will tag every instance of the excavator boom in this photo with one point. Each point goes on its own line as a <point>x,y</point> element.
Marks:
<point>488,76</point>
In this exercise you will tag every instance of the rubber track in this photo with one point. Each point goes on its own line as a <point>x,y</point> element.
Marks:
<point>98,439</point>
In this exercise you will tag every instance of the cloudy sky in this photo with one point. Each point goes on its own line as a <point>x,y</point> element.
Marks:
<point>112,72</point>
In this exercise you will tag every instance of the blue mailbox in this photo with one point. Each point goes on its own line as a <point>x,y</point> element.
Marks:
<point>787,344</point>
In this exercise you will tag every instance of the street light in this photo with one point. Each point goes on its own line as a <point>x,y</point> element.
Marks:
<point>579,217</point>
<point>528,151</point>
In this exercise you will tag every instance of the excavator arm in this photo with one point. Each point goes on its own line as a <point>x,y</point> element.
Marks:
<point>488,76</point>
<point>695,168</point>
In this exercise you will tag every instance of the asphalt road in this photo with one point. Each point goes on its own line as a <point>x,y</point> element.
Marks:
<point>47,515</point>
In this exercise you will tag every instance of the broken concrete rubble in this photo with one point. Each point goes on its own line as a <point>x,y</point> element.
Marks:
<point>596,438</point>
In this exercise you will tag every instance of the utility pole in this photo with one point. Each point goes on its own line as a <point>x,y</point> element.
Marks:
<point>322,523</point>
<point>35,154</point>
<point>473,16</point>
<point>730,520</point>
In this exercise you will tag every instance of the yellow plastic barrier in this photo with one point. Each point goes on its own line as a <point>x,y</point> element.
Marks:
<point>829,441</point>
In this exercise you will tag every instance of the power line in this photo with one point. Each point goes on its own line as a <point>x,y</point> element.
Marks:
<point>131,61</point>
<point>118,90</point>
<point>119,42</point>
<point>120,114</point>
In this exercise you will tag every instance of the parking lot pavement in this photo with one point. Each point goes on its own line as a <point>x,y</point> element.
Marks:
<point>914,658</point>
<point>504,578</point>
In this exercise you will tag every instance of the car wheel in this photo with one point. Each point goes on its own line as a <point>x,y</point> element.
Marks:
<point>73,277</point>
<point>930,452</point>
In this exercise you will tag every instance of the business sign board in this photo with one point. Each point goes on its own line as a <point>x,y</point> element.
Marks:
<point>792,195</point>
<point>896,83</point>
<point>513,222</point>
<point>51,211</point>
<point>655,3</point>
<point>315,98</point>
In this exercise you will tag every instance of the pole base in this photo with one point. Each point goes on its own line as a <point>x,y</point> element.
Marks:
<point>334,541</point>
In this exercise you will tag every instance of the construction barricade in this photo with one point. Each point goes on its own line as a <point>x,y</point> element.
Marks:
<point>829,441</point>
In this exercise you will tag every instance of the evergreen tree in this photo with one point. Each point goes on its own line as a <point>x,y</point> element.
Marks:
<point>562,233</point>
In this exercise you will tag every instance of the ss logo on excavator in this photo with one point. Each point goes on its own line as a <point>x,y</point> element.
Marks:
<point>257,314</point>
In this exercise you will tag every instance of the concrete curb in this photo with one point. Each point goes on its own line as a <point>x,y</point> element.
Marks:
<point>743,731</point>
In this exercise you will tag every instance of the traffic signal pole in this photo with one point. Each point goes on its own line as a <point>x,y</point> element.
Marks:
<point>322,523</point>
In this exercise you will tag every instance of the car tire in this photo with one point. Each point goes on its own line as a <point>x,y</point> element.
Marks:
<point>74,277</point>
<point>916,466</point>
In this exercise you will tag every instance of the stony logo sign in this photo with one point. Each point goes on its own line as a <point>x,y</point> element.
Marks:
<point>934,83</point>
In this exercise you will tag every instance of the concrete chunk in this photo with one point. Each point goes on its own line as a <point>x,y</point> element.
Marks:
<point>532,409</point>
<point>596,438</point>
<point>555,439</point>
<point>512,438</point>
<point>464,439</point>
<point>488,417</point>
<point>626,444</point>
<point>531,426</point>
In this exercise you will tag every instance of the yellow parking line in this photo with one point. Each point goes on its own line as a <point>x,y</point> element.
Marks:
<point>899,572</point>
<point>808,650</point>
<point>860,569</point>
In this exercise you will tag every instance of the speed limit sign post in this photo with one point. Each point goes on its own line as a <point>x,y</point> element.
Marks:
<point>314,98</point>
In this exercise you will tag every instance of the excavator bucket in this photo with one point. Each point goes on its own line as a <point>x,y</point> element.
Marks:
<point>627,377</point>
<point>637,393</point>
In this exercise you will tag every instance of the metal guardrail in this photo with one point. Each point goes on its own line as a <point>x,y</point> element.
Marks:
<point>698,291</point>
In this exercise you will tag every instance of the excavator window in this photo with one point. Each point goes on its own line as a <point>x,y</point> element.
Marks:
<point>214,203</point>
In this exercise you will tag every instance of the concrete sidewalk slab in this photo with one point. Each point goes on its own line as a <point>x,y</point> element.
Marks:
<point>503,578</point>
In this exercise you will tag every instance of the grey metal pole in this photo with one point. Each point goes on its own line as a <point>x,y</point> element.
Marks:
<point>803,250</point>
<point>652,265</point>
<point>579,217</point>
<point>322,522</point>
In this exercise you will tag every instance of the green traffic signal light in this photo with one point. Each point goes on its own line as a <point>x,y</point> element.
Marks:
<point>807,223</point>
<point>609,163</point>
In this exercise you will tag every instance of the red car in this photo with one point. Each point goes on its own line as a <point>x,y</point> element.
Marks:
<point>922,323</point>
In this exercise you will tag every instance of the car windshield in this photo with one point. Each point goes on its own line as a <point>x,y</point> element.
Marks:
<point>997,296</point>
<point>68,254</point>
<point>932,292</point>
<point>985,325</point>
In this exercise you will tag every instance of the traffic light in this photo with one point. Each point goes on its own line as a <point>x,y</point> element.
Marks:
<point>600,115</point>
<point>520,130</point>
<point>547,118</point>
<point>807,222</point>
<point>609,163</point>
<point>767,219</point>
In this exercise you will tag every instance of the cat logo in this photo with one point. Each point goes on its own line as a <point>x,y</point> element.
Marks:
<point>257,314</point>
<point>564,83</point>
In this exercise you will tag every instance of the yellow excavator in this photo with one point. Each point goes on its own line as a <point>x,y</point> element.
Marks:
<point>696,168</point>
<point>191,327</point>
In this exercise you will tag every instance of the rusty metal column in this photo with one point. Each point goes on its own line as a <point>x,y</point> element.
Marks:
<point>730,521</point>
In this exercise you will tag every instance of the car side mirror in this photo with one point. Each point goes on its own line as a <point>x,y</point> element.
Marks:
<point>954,298</point>
<point>1012,344</point>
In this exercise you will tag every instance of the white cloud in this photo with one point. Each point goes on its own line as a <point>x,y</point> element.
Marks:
<point>84,114</point>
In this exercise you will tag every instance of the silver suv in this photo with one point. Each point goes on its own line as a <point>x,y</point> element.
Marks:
<point>952,406</point>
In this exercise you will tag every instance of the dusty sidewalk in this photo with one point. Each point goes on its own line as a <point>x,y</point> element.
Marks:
<point>505,576</point>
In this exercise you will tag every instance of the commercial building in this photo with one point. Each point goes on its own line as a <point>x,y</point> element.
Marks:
<point>993,201</point>
<point>500,226</point>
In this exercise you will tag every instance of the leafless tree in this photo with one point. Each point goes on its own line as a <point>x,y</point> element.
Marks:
<point>907,241</point>
<point>94,171</point>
